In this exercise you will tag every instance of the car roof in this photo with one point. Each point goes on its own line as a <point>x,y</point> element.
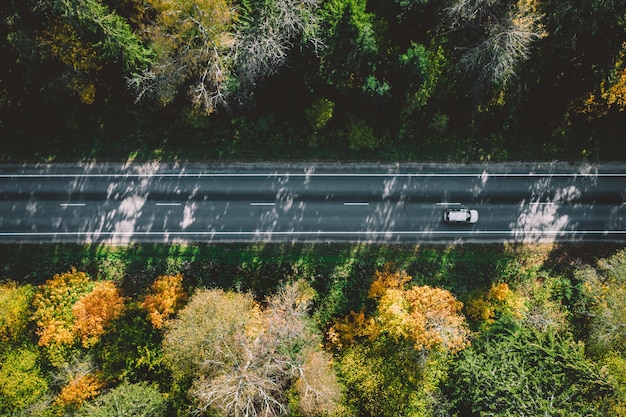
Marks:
<point>458,214</point>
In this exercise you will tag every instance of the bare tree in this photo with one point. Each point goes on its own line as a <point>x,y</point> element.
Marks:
<point>246,367</point>
<point>210,46</point>
<point>460,12</point>
<point>269,31</point>
<point>193,42</point>
<point>500,35</point>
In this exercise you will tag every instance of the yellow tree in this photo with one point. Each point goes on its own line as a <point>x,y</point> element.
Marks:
<point>14,309</point>
<point>429,317</point>
<point>83,64</point>
<point>22,382</point>
<point>165,298</point>
<point>611,93</point>
<point>499,301</point>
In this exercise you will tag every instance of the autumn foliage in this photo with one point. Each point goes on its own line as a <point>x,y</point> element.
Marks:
<point>244,358</point>
<point>54,304</point>
<point>95,311</point>
<point>79,390</point>
<point>71,307</point>
<point>428,317</point>
<point>166,297</point>
<point>499,301</point>
<point>14,308</point>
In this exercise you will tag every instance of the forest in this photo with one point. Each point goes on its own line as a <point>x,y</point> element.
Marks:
<point>306,330</point>
<point>456,80</point>
<point>312,330</point>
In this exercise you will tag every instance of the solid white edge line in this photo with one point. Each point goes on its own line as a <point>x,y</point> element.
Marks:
<point>286,174</point>
<point>72,204</point>
<point>447,204</point>
<point>356,204</point>
<point>262,204</point>
<point>320,232</point>
<point>168,204</point>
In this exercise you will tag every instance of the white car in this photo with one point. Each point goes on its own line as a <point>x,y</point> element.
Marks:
<point>460,216</point>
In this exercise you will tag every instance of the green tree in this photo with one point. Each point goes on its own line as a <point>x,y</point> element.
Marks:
<point>615,366</point>
<point>319,113</point>
<point>136,400</point>
<point>387,378</point>
<point>422,68</point>
<point>113,36</point>
<point>523,371</point>
<point>352,44</point>
<point>132,349</point>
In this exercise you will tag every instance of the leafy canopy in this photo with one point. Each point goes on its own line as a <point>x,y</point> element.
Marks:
<point>523,370</point>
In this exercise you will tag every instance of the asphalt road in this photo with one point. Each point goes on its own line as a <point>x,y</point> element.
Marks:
<point>116,203</point>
